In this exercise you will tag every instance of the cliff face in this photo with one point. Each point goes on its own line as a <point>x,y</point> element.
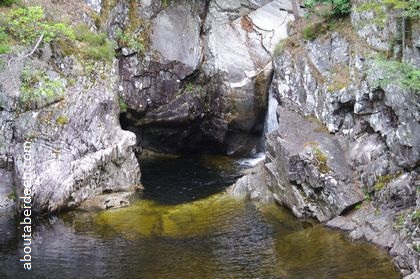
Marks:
<point>200,82</point>
<point>194,76</point>
<point>188,76</point>
<point>78,149</point>
<point>67,107</point>
<point>347,148</point>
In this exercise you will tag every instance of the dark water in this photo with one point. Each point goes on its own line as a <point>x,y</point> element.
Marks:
<point>185,228</point>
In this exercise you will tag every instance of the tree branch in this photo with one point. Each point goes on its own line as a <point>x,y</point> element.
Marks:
<point>41,37</point>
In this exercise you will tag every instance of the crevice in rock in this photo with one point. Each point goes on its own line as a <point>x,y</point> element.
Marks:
<point>348,209</point>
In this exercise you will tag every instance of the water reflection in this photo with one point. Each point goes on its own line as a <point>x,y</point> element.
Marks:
<point>214,236</point>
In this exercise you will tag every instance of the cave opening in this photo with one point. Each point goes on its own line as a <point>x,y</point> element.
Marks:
<point>199,136</point>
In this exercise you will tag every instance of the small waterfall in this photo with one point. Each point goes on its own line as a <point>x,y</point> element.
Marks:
<point>271,122</point>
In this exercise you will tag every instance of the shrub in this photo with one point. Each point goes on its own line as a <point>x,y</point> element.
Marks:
<point>4,42</point>
<point>398,72</point>
<point>7,3</point>
<point>310,32</point>
<point>130,40</point>
<point>38,89</point>
<point>339,8</point>
<point>28,23</point>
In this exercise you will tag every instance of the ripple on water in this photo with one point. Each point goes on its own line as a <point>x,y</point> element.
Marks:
<point>212,236</point>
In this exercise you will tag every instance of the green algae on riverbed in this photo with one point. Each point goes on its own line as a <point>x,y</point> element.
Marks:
<point>183,226</point>
<point>147,218</point>
<point>212,234</point>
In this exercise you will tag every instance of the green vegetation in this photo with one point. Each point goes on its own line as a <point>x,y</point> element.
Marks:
<point>322,160</point>
<point>399,221</point>
<point>340,78</point>
<point>38,88</point>
<point>8,3</point>
<point>368,196</point>
<point>123,105</point>
<point>382,181</point>
<point>280,47</point>
<point>314,30</point>
<point>415,217</point>
<point>385,8</point>
<point>93,45</point>
<point>165,3</point>
<point>12,196</point>
<point>311,32</point>
<point>339,8</point>
<point>62,120</point>
<point>131,40</point>
<point>4,42</point>
<point>393,71</point>
<point>189,87</point>
<point>27,24</point>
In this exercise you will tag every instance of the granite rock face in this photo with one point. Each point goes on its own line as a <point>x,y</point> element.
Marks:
<point>309,172</point>
<point>376,130</point>
<point>347,147</point>
<point>77,150</point>
<point>201,83</point>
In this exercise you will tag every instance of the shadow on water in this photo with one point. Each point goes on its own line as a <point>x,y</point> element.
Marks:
<point>192,230</point>
<point>187,178</point>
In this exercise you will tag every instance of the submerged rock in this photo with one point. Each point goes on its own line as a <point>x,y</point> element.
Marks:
<point>379,227</point>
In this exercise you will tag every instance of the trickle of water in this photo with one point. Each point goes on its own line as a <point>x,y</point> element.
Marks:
<point>253,161</point>
<point>271,122</point>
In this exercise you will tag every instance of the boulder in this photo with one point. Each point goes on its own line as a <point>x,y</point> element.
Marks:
<point>308,169</point>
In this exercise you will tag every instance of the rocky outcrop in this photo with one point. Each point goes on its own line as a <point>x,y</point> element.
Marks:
<point>344,137</point>
<point>77,149</point>
<point>398,35</point>
<point>253,185</point>
<point>201,83</point>
<point>308,170</point>
<point>396,233</point>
